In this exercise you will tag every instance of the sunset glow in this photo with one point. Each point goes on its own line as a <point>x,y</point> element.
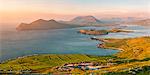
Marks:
<point>28,10</point>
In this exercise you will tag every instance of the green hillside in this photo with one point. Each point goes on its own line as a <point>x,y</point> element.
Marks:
<point>131,48</point>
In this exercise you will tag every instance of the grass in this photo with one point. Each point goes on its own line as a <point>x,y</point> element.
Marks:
<point>145,70</point>
<point>48,60</point>
<point>132,48</point>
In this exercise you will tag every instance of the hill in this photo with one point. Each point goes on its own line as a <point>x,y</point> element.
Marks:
<point>44,61</point>
<point>85,20</point>
<point>48,63</point>
<point>41,24</point>
<point>131,48</point>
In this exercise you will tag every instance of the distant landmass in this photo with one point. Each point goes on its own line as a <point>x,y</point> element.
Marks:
<point>92,21</point>
<point>84,21</point>
<point>120,20</point>
<point>145,22</point>
<point>41,24</point>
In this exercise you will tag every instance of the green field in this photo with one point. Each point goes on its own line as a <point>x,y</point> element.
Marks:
<point>45,62</point>
<point>131,48</point>
<point>48,60</point>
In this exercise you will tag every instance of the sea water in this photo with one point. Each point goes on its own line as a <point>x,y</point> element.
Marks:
<point>14,43</point>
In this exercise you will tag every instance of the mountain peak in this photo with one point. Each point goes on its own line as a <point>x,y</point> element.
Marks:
<point>89,18</point>
<point>40,20</point>
<point>52,20</point>
<point>85,20</point>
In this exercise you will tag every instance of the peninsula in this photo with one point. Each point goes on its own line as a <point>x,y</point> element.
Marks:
<point>131,48</point>
<point>41,24</point>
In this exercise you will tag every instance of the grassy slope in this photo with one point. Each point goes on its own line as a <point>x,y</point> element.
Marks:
<point>127,66</point>
<point>132,48</point>
<point>46,61</point>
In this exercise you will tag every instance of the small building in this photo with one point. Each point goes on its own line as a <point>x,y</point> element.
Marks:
<point>69,65</point>
<point>85,64</point>
<point>93,67</point>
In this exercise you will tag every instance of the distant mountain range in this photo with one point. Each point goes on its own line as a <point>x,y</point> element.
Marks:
<point>41,24</point>
<point>145,22</point>
<point>85,20</point>
<point>119,20</point>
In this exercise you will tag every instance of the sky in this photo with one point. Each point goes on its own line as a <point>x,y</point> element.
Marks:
<point>29,10</point>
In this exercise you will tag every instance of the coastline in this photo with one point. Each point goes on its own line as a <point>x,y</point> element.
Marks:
<point>102,45</point>
<point>130,48</point>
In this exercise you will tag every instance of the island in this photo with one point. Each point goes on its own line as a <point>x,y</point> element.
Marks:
<point>101,32</point>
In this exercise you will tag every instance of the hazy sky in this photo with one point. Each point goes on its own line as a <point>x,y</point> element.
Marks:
<point>28,10</point>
